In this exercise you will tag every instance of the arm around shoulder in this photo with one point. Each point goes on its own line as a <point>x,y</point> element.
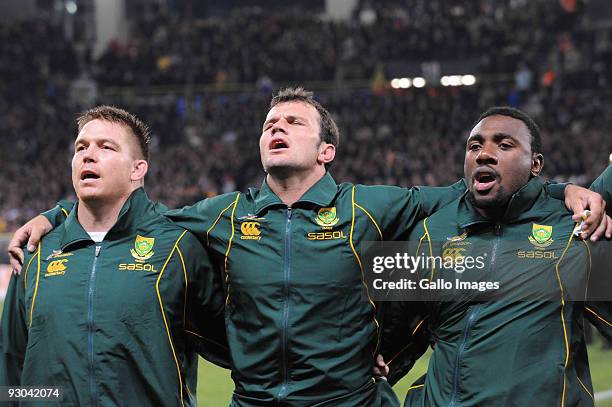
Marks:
<point>603,186</point>
<point>396,210</point>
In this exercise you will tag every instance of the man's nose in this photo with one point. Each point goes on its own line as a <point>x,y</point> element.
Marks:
<point>486,156</point>
<point>89,155</point>
<point>279,125</point>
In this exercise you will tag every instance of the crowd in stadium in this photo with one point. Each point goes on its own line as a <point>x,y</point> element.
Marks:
<point>207,143</point>
<point>289,46</point>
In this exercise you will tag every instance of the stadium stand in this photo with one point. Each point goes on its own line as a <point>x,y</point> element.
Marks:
<point>205,95</point>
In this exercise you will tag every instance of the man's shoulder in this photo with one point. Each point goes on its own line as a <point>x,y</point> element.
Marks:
<point>212,205</point>
<point>548,204</point>
<point>554,212</point>
<point>447,214</point>
<point>49,244</point>
<point>158,226</point>
<point>224,199</point>
<point>550,211</point>
<point>172,235</point>
<point>372,189</point>
<point>205,210</point>
<point>376,195</point>
<point>444,220</point>
<point>53,237</point>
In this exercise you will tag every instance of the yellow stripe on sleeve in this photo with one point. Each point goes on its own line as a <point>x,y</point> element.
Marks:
<point>361,268</point>
<point>35,286</point>
<point>161,306</point>
<point>567,347</point>
<point>229,246</point>
<point>217,220</point>
<point>372,219</point>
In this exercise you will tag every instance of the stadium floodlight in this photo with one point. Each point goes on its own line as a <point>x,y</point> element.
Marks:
<point>71,7</point>
<point>454,80</point>
<point>418,82</point>
<point>468,80</point>
<point>444,81</point>
<point>395,83</point>
<point>405,83</point>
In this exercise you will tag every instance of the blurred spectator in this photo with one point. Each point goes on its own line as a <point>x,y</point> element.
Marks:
<point>523,78</point>
<point>206,143</point>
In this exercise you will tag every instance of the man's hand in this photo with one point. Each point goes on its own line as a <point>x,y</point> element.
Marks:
<point>31,232</point>
<point>380,369</point>
<point>578,200</point>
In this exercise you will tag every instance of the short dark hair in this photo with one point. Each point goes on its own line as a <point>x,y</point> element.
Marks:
<point>532,127</point>
<point>329,132</point>
<point>116,115</point>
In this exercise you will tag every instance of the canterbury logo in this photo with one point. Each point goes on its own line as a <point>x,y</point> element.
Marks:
<point>250,231</point>
<point>56,267</point>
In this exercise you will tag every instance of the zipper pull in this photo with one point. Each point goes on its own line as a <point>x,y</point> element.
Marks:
<point>98,248</point>
<point>289,212</point>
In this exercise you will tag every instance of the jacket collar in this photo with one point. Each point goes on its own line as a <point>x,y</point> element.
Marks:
<point>520,203</point>
<point>322,193</point>
<point>133,210</point>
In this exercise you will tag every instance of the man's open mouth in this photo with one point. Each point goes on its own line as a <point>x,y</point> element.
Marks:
<point>484,180</point>
<point>88,175</point>
<point>278,144</point>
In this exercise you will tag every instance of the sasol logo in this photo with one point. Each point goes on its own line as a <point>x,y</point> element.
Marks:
<point>536,254</point>
<point>250,231</point>
<point>336,234</point>
<point>138,267</point>
<point>56,267</point>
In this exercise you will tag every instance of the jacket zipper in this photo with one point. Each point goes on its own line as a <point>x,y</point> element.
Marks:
<point>472,318</point>
<point>497,232</point>
<point>90,327</point>
<point>285,322</point>
<point>468,325</point>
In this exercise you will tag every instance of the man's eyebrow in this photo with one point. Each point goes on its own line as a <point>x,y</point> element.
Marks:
<point>98,141</point>
<point>496,136</point>
<point>271,120</point>
<point>289,117</point>
<point>110,141</point>
<point>501,136</point>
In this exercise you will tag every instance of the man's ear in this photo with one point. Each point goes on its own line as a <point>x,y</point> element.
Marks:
<point>537,164</point>
<point>140,170</point>
<point>327,153</point>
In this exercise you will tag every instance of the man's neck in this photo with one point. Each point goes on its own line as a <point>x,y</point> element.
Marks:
<point>96,216</point>
<point>292,187</point>
<point>491,214</point>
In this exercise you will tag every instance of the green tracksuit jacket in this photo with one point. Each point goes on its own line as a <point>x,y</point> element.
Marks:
<point>516,349</point>
<point>111,322</point>
<point>300,328</point>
